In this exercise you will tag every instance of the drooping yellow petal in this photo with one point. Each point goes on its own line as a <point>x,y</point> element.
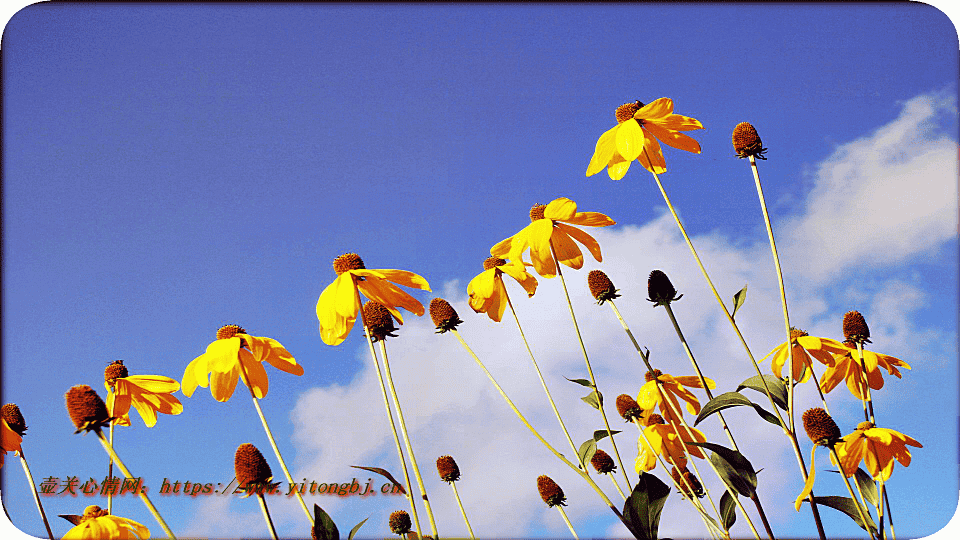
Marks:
<point>390,296</point>
<point>588,241</point>
<point>618,167</point>
<point>673,138</point>
<point>157,384</point>
<point>630,140</point>
<point>195,374</point>
<point>481,287</point>
<point>269,350</point>
<point>256,375</point>
<point>808,486</point>
<point>591,219</point>
<point>524,278</point>
<point>562,209</point>
<point>678,122</point>
<point>652,156</point>
<point>400,277</point>
<point>655,110</point>
<point>566,249</point>
<point>606,148</point>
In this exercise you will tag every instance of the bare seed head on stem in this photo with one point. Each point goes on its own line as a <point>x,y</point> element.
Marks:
<point>379,320</point>
<point>855,328</point>
<point>252,470</point>
<point>602,462</point>
<point>400,522</point>
<point>628,407</point>
<point>746,141</point>
<point>443,315</point>
<point>820,427</point>
<point>447,469</point>
<point>550,492</point>
<point>601,287</point>
<point>659,289</point>
<point>87,411</point>
<point>11,414</point>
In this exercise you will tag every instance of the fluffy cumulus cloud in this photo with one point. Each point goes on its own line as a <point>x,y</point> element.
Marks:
<point>894,191</point>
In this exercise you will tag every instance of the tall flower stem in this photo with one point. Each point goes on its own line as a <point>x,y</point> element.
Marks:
<point>536,434</point>
<point>567,521</point>
<point>110,471</point>
<point>462,511</point>
<point>33,489</point>
<point>696,367</point>
<point>143,496</point>
<point>846,481</point>
<point>787,430</point>
<point>542,381</point>
<point>266,515</point>
<point>393,426</point>
<point>586,358</point>
<point>406,438</point>
<point>867,398</point>
<point>616,484</point>
<point>273,443</point>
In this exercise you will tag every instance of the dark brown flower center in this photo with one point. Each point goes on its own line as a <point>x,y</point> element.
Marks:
<point>550,492</point>
<point>855,327</point>
<point>347,261</point>
<point>536,212</point>
<point>114,371</point>
<point>448,469</point>
<point>602,462</point>
<point>820,427</point>
<point>863,426</point>
<point>379,320</point>
<point>655,419</point>
<point>628,407</point>
<point>250,466</point>
<point>627,110</point>
<point>86,409</point>
<point>400,522</point>
<point>797,333</point>
<point>11,414</point>
<point>230,330</point>
<point>650,376</point>
<point>94,511</point>
<point>443,315</point>
<point>493,262</point>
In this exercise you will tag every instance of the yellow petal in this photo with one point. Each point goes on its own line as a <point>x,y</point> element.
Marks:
<point>591,219</point>
<point>390,296</point>
<point>658,108</point>
<point>271,351</point>
<point>524,278</point>
<point>606,147</point>
<point>481,287</point>
<point>256,375</point>
<point>195,374</point>
<point>679,123</point>
<point>673,138</point>
<point>588,241</point>
<point>630,140</point>
<point>400,277</point>
<point>808,486</point>
<point>158,384</point>
<point>652,157</point>
<point>617,167</point>
<point>562,209</point>
<point>566,250</point>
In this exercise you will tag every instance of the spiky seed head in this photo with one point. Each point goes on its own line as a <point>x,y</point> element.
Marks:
<point>602,462</point>
<point>550,492</point>
<point>94,511</point>
<point>660,290</point>
<point>797,333</point>
<point>863,426</point>
<point>227,331</point>
<point>447,468</point>
<point>347,261</point>
<point>601,287</point>
<point>116,370</point>
<point>648,376</point>
<point>11,414</point>
<point>86,409</point>
<point>683,477</point>
<point>536,212</point>
<point>400,522</point>
<point>627,110</point>
<point>855,328</point>
<point>746,141</point>
<point>820,427</point>
<point>655,419</point>
<point>379,320</point>
<point>443,315</point>
<point>253,471</point>
<point>493,262</point>
<point>628,407</point>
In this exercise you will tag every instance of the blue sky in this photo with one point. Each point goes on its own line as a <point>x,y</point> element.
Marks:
<point>170,169</point>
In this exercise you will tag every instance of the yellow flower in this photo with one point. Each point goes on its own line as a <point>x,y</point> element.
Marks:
<point>98,524</point>
<point>663,441</point>
<point>237,355</point>
<point>488,293</point>
<point>149,394</point>
<point>822,349</point>
<point>673,387</point>
<point>548,228</point>
<point>338,304</point>
<point>846,365</point>
<point>635,138</point>
<point>9,440</point>
<point>877,447</point>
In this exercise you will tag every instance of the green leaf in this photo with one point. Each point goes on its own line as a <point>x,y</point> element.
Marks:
<point>733,399</point>
<point>386,474</point>
<point>734,469</point>
<point>601,433</point>
<point>849,507</point>
<point>587,450</point>
<point>581,382</point>
<point>641,511</point>
<point>595,399</point>
<point>867,485</point>
<point>777,389</point>
<point>325,528</point>
<point>728,509</point>
<point>738,300</point>
<point>356,528</point>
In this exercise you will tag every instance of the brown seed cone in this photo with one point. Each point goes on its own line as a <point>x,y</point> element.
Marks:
<point>11,414</point>
<point>683,474</point>
<point>820,427</point>
<point>443,315</point>
<point>87,411</point>
<point>746,141</point>
<point>536,212</point>
<point>659,289</point>
<point>227,331</point>
<point>626,111</point>
<point>250,467</point>
<point>855,328</point>
<point>116,370</point>
<point>550,492</point>
<point>628,407</point>
<point>347,261</point>
<point>601,287</point>
<point>448,469</point>
<point>602,462</point>
<point>379,320</point>
<point>400,522</point>
<point>493,262</point>
<point>650,376</point>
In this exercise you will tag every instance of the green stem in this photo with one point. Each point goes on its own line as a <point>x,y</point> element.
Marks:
<point>462,511</point>
<point>33,489</point>
<point>850,491</point>
<point>567,520</point>
<point>266,516</point>
<point>110,470</point>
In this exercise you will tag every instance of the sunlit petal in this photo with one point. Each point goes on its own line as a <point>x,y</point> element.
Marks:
<point>562,209</point>
<point>630,140</point>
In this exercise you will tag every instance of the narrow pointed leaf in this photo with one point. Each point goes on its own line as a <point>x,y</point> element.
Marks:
<point>601,433</point>
<point>867,485</point>
<point>581,382</point>
<point>595,399</point>
<point>324,527</point>
<point>738,300</point>
<point>728,510</point>
<point>734,468</point>
<point>386,474</point>
<point>777,389</point>
<point>587,450</point>
<point>641,511</point>
<point>849,507</point>
<point>356,528</point>
<point>733,399</point>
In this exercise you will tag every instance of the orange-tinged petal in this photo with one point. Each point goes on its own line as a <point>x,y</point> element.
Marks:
<point>254,373</point>
<point>618,167</point>
<point>694,381</point>
<point>524,278</point>
<point>498,302</point>
<point>584,238</point>
<point>630,140</point>
<point>158,384</point>
<point>678,123</point>
<point>271,351</point>
<point>606,148</point>
<point>652,156</point>
<point>673,138</point>
<point>147,412</point>
<point>561,208</point>
<point>566,250</point>
<point>390,296</point>
<point>400,277</point>
<point>656,109</point>
<point>591,219</point>
<point>10,441</point>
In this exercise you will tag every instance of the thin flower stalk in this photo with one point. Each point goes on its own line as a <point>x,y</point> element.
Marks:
<point>33,489</point>
<point>696,367</point>
<point>393,425</point>
<point>790,433</point>
<point>593,380</point>
<point>567,521</point>
<point>544,382</point>
<point>867,397</point>
<point>273,442</point>
<point>143,496</point>
<point>616,484</point>
<point>462,511</point>
<point>406,437</point>
<point>578,470</point>
<point>266,515</point>
<point>110,473</point>
<point>853,497</point>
